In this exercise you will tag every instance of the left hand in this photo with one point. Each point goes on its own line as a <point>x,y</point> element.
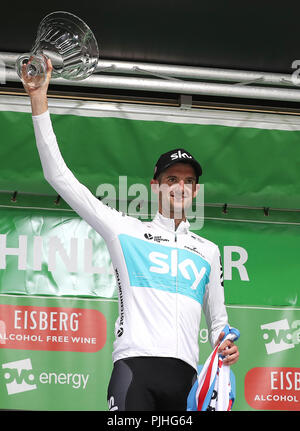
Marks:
<point>227,349</point>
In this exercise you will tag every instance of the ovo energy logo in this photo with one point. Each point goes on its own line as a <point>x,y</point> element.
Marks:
<point>280,335</point>
<point>18,376</point>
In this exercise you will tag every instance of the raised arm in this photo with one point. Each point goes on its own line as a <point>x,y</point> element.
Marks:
<point>102,218</point>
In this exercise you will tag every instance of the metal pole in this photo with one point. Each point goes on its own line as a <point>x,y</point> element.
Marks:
<point>190,72</point>
<point>203,73</point>
<point>178,87</point>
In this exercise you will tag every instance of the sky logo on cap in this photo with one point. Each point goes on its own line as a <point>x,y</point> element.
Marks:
<point>179,155</point>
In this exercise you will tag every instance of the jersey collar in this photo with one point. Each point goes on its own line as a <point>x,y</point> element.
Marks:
<point>169,224</point>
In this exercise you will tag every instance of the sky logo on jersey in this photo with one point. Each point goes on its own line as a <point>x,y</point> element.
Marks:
<point>165,268</point>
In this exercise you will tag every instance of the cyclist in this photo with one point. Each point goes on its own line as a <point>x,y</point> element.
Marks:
<point>165,275</point>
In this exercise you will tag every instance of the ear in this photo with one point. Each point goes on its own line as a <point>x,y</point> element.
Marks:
<point>197,188</point>
<point>154,186</point>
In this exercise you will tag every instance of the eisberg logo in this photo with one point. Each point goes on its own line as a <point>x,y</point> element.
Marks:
<point>18,376</point>
<point>51,328</point>
<point>179,155</point>
<point>280,336</point>
<point>273,388</point>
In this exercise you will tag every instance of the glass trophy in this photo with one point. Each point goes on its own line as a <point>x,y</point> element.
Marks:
<point>68,42</point>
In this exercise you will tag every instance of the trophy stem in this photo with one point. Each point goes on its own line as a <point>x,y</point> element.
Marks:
<point>35,72</point>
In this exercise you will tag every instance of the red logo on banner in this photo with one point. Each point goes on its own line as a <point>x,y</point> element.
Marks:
<point>273,388</point>
<point>51,328</point>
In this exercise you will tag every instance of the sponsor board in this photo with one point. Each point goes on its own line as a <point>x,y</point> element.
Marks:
<point>276,387</point>
<point>273,388</point>
<point>19,376</point>
<point>52,328</point>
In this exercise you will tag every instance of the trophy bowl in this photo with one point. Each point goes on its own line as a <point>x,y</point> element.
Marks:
<point>68,42</point>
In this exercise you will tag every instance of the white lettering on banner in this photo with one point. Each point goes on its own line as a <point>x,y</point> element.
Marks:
<point>56,248</point>
<point>21,252</point>
<point>203,335</point>
<point>239,264</point>
<point>42,320</point>
<point>37,253</point>
<point>270,397</point>
<point>164,268</point>
<point>23,337</point>
<point>278,335</point>
<point>2,332</point>
<point>285,381</point>
<point>19,376</point>
<point>70,258</point>
<point>88,259</point>
<point>75,380</point>
<point>70,262</point>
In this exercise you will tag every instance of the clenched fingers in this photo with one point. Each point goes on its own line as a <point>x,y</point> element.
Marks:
<point>230,353</point>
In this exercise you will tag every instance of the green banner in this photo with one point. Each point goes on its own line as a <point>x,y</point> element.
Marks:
<point>247,158</point>
<point>261,261</point>
<point>60,254</point>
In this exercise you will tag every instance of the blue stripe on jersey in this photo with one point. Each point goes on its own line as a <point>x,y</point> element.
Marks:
<point>165,268</point>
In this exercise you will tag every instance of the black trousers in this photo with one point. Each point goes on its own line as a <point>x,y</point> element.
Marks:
<point>150,384</point>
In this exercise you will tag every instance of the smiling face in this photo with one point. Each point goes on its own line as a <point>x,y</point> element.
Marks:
<point>176,186</point>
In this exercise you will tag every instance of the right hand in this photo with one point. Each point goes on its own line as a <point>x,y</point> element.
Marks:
<point>41,91</point>
<point>38,96</point>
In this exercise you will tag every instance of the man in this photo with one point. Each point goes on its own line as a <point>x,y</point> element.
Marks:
<point>165,275</point>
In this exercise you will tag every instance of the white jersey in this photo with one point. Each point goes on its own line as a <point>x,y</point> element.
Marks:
<point>164,276</point>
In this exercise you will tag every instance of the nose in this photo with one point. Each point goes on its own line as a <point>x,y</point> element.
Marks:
<point>181,184</point>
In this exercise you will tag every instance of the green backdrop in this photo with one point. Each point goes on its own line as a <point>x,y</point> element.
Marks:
<point>58,299</point>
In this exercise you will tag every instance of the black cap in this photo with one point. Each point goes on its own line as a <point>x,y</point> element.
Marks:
<point>176,156</point>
